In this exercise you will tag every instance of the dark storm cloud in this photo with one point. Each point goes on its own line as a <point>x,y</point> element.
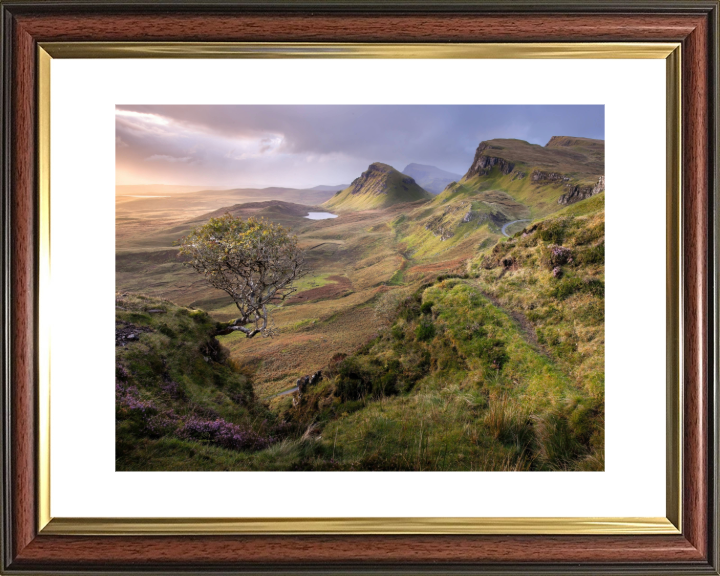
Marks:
<point>309,145</point>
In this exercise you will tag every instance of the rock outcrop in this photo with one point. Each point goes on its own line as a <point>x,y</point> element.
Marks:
<point>541,177</point>
<point>580,192</point>
<point>310,380</point>
<point>484,162</point>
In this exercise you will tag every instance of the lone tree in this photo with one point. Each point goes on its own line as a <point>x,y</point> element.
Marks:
<point>254,261</point>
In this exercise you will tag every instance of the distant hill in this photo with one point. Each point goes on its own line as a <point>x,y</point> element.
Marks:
<point>287,214</point>
<point>307,196</point>
<point>378,187</point>
<point>323,188</point>
<point>563,156</point>
<point>276,211</point>
<point>508,181</point>
<point>431,178</point>
<point>564,171</point>
<point>150,190</point>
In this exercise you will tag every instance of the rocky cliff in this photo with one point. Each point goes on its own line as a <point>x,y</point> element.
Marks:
<point>581,192</point>
<point>485,161</point>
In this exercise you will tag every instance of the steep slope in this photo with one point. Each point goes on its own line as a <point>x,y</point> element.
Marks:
<point>498,369</point>
<point>379,186</point>
<point>180,403</point>
<point>560,264</point>
<point>508,180</point>
<point>431,178</point>
<point>564,171</point>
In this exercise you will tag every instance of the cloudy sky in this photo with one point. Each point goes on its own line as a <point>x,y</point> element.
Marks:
<point>303,146</point>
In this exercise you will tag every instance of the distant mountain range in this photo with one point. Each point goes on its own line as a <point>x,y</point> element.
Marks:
<point>431,178</point>
<point>511,178</point>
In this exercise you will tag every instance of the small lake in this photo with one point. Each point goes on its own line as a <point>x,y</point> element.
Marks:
<point>320,215</point>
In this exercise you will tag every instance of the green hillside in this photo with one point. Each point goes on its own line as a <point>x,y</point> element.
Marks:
<point>178,396</point>
<point>500,369</point>
<point>379,186</point>
<point>463,331</point>
<point>508,181</point>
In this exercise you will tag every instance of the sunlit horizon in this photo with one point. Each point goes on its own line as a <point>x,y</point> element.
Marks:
<point>254,146</point>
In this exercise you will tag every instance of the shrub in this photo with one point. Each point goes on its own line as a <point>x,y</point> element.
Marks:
<point>426,307</point>
<point>559,255</point>
<point>415,369</point>
<point>386,384</point>
<point>353,381</point>
<point>333,366</point>
<point>409,308</point>
<point>425,331</point>
<point>222,433</point>
<point>121,373</point>
<point>356,381</point>
<point>553,231</point>
<point>140,416</point>
<point>174,390</point>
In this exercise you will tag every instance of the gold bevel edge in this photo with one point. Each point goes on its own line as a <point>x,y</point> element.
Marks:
<point>289,526</point>
<point>674,387</point>
<point>44,324</point>
<point>170,526</point>
<point>561,50</point>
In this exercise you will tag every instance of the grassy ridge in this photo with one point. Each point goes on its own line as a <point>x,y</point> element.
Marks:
<point>176,386</point>
<point>555,278</point>
<point>433,393</point>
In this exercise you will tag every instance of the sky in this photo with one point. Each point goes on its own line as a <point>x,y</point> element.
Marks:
<point>252,146</point>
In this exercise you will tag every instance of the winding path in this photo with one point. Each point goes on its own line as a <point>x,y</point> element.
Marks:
<point>522,322</point>
<point>508,224</point>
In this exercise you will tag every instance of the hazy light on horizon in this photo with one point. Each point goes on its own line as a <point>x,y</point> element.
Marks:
<point>248,146</point>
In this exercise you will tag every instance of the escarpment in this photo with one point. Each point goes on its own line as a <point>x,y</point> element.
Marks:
<point>581,192</point>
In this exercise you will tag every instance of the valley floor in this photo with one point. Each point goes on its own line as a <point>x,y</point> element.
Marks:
<point>471,353</point>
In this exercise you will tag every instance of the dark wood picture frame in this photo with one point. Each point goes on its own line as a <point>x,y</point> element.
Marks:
<point>25,24</point>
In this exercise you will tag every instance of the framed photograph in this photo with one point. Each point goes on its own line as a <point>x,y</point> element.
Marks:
<point>294,287</point>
